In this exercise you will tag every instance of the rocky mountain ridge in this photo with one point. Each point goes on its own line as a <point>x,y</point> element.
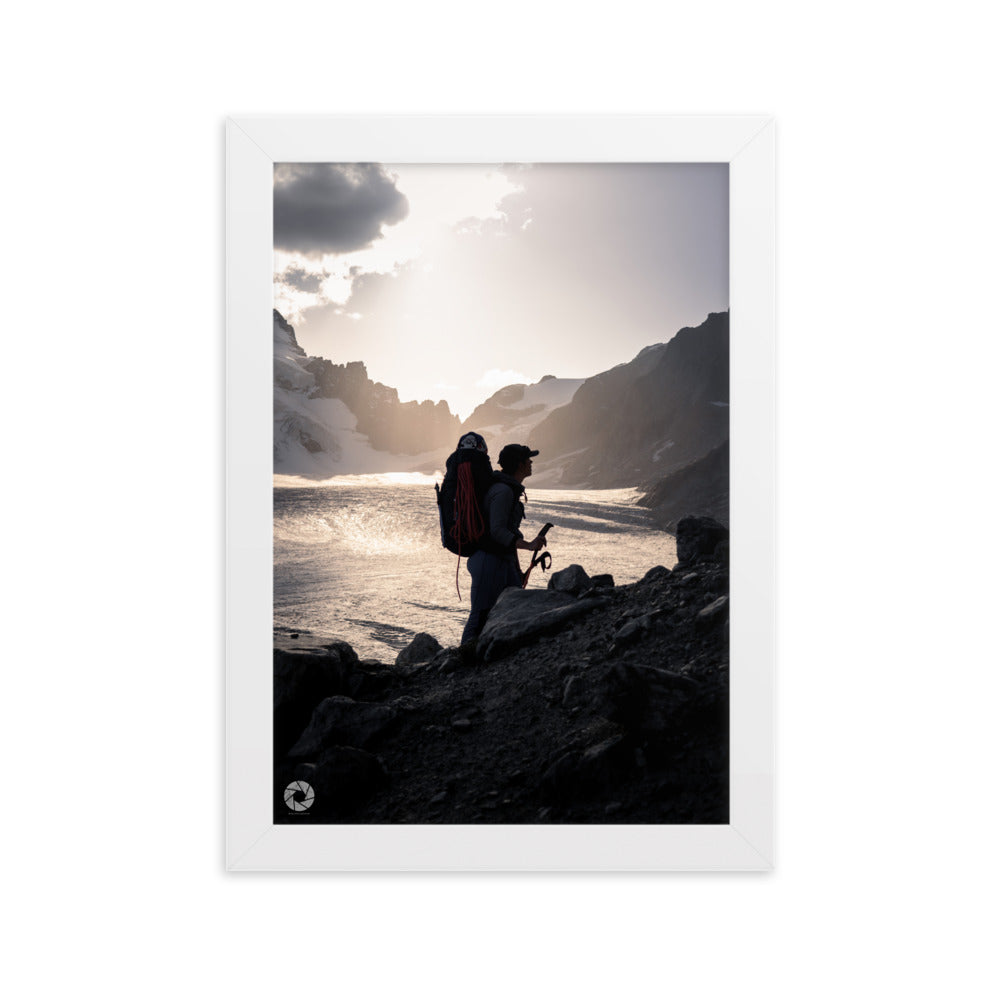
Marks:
<point>659,422</point>
<point>331,418</point>
<point>701,486</point>
<point>402,428</point>
<point>642,420</point>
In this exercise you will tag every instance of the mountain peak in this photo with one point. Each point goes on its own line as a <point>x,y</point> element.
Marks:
<point>283,323</point>
<point>331,419</point>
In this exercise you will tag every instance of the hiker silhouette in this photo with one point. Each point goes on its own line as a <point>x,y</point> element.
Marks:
<point>494,565</point>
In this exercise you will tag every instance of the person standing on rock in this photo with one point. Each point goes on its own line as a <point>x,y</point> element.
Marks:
<point>494,566</point>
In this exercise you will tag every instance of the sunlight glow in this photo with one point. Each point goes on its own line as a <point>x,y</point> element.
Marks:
<point>497,378</point>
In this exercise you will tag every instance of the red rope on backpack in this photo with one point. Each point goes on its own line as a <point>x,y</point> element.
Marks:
<point>468,519</point>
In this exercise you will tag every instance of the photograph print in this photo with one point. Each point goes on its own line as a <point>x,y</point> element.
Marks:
<point>501,493</point>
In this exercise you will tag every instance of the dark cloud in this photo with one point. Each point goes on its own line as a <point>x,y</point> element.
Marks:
<point>300,278</point>
<point>333,207</point>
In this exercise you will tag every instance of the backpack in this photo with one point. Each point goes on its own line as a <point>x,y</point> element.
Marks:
<point>468,475</point>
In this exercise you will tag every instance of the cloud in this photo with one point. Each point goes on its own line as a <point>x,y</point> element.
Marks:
<point>326,208</point>
<point>301,279</point>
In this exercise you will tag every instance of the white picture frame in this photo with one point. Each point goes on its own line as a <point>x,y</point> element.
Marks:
<point>253,146</point>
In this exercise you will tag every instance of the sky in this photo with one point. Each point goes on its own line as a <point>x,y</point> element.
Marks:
<point>451,281</point>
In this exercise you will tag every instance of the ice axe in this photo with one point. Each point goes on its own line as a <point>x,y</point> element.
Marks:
<point>540,558</point>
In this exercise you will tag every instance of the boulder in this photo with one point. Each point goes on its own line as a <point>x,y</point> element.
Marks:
<point>632,631</point>
<point>571,580</point>
<point>340,721</point>
<point>423,647</point>
<point>713,614</point>
<point>451,663</point>
<point>656,574</point>
<point>698,536</point>
<point>304,771</point>
<point>644,700</point>
<point>603,581</point>
<point>574,691</point>
<point>521,616</point>
<point>303,678</point>
<point>584,774</point>
<point>344,776</point>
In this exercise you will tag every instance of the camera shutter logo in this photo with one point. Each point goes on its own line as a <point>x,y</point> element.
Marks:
<point>299,796</point>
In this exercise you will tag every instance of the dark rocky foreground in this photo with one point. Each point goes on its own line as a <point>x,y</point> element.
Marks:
<point>584,703</point>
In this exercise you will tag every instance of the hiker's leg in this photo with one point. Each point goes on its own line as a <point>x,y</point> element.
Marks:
<point>514,577</point>
<point>490,575</point>
<point>480,594</point>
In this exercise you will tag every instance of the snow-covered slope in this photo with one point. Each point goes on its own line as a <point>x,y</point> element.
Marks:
<point>550,392</point>
<point>315,435</point>
<point>513,412</point>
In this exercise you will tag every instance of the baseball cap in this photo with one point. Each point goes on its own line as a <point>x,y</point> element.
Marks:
<point>514,454</point>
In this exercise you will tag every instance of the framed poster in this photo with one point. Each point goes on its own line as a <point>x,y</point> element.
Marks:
<point>588,302</point>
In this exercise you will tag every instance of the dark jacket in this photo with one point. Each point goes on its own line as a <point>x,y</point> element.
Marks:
<point>504,512</point>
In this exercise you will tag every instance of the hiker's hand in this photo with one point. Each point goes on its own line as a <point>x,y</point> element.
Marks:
<point>538,542</point>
